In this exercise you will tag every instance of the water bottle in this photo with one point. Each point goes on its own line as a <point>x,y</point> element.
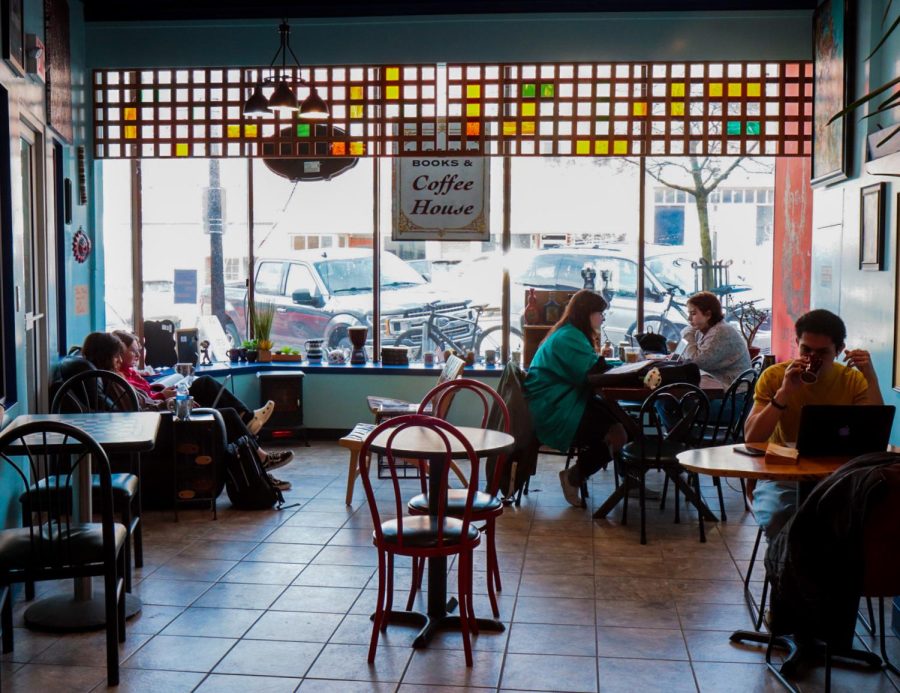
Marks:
<point>182,402</point>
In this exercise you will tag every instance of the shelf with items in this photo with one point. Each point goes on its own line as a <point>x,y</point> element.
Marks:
<point>543,309</point>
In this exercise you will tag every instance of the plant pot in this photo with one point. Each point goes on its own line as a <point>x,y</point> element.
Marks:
<point>265,356</point>
<point>252,355</point>
<point>286,357</point>
<point>754,351</point>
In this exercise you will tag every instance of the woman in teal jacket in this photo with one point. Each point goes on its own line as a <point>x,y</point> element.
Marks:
<point>562,403</point>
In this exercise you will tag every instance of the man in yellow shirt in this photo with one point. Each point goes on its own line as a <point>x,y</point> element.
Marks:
<point>781,394</point>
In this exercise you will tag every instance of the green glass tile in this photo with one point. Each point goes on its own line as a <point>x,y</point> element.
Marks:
<point>528,91</point>
<point>733,127</point>
<point>546,91</point>
<point>302,129</point>
<point>753,127</point>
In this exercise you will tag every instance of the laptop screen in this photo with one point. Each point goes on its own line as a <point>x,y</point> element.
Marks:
<point>844,430</point>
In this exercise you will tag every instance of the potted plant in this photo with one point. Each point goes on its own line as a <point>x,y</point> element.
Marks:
<point>250,349</point>
<point>262,318</point>
<point>750,319</point>
<point>286,353</point>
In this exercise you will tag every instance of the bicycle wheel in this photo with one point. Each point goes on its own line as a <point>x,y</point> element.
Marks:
<point>411,338</point>
<point>492,338</point>
<point>667,329</point>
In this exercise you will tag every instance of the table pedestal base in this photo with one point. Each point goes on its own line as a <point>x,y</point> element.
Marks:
<point>432,624</point>
<point>65,614</point>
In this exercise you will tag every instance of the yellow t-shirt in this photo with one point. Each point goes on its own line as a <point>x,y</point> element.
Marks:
<point>840,385</point>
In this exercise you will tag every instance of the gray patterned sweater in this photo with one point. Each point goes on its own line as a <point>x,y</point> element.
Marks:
<point>721,352</point>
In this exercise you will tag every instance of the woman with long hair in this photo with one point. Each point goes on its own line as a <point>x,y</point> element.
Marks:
<point>562,402</point>
<point>714,345</point>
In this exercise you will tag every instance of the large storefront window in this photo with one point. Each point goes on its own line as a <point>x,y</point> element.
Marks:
<point>117,245</point>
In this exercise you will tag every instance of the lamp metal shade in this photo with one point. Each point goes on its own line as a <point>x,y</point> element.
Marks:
<point>257,103</point>
<point>313,107</point>
<point>283,98</point>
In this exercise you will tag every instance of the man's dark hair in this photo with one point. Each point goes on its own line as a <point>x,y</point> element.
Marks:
<point>825,322</point>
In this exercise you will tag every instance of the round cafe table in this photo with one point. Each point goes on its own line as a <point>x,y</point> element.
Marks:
<point>423,443</point>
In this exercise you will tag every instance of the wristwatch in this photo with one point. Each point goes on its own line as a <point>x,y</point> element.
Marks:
<point>775,404</point>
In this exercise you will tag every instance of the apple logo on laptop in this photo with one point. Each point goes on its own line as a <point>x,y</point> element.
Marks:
<point>844,431</point>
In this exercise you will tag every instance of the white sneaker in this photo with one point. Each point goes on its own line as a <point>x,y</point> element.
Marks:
<point>260,416</point>
<point>570,490</point>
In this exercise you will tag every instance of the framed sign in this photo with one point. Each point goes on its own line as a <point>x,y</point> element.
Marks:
<point>871,227</point>
<point>58,65</point>
<point>831,87</point>
<point>14,35</point>
<point>441,199</point>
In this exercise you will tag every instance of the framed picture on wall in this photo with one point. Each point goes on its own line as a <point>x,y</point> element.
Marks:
<point>832,31</point>
<point>13,43</point>
<point>871,227</point>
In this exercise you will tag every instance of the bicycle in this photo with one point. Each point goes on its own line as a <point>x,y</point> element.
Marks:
<point>462,335</point>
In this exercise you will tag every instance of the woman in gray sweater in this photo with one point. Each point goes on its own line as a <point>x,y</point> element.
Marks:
<point>714,345</point>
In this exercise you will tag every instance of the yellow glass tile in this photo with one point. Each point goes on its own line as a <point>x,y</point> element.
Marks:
<point>130,114</point>
<point>356,111</point>
<point>473,91</point>
<point>601,147</point>
<point>754,89</point>
<point>509,127</point>
<point>392,92</point>
<point>639,108</point>
<point>338,148</point>
<point>582,147</point>
<point>528,127</point>
<point>392,74</point>
<point>182,149</point>
<point>528,109</point>
<point>473,129</point>
<point>234,130</point>
<point>357,148</point>
<point>715,89</point>
<point>130,132</point>
<point>677,89</point>
<point>356,93</point>
<point>251,130</point>
<point>734,89</point>
<point>678,108</point>
<point>620,147</point>
<point>473,110</point>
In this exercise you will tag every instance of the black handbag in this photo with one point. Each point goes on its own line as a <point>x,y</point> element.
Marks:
<point>670,372</point>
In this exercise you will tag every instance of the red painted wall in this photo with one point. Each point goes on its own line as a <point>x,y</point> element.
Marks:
<point>793,248</point>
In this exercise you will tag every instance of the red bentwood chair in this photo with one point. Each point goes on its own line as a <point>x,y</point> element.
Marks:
<point>487,506</point>
<point>435,535</point>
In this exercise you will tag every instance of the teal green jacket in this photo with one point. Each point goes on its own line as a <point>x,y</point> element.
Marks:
<point>556,386</point>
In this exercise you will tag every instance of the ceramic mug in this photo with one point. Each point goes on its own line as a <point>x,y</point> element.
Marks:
<point>234,355</point>
<point>490,357</point>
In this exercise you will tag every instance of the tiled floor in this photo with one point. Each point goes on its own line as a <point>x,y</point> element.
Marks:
<point>279,601</point>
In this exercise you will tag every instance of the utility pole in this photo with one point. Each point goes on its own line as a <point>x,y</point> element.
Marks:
<point>214,226</point>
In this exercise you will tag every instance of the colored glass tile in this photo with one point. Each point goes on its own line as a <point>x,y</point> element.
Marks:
<point>356,93</point>
<point>392,74</point>
<point>754,89</point>
<point>509,127</point>
<point>639,108</point>
<point>715,89</point>
<point>130,132</point>
<point>357,148</point>
<point>528,127</point>
<point>302,129</point>
<point>392,92</point>
<point>130,114</point>
<point>473,91</point>
<point>251,130</point>
<point>753,127</point>
<point>582,147</point>
<point>182,149</point>
<point>733,127</point>
<point>735,89</point>
<point>234,130</point>
<point>473,129</point>
<point>528,109</point>
<point>356,111</point>
<point>473,110</point>
<point>677,108</point>
<point>528,91</point>
<point>338,148</point>
<point>677,89</point>
<point>620,147</point>
<point>547,91</point>
<point>601,147</point>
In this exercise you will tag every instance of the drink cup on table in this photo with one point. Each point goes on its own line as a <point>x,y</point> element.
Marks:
<point>810,372</point>
<point>632,354</point>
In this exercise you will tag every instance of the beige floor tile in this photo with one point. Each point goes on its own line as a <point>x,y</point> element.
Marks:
<point>87,650</point>
<point>295,625</point>
<point>170,592</point>
<point>333,600</point>
<point>539,638</point>
<point>301,535</point>
<point>344,686</point>
<point>234,683</point>
<point>152,618</point>
<point>221,550</point>
<point>734,678</point>
<point>28,644</point>
<point>550,673</point>
<point>695,616</point>
<point>260,573</point>
<point>350,662</point>
<point>269,658</point>
<point>226,595</point>
<point>180,653</point>
<point>213,622</point>
<point>356,629</point>
<point>150,681</point>
<point>58,679</point>
<point>448,668</point>
<point>647,676</point>
<point>641,643</point>
<point>339,576</point>
<point>553,610</point>
<point>637,614</point>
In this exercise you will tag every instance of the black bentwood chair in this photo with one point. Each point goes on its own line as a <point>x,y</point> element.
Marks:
<point>51,545</point>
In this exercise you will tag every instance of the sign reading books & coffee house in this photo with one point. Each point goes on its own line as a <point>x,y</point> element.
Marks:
<point>441,199</point>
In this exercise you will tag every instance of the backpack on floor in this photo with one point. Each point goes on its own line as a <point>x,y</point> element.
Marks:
<point>246,482</point>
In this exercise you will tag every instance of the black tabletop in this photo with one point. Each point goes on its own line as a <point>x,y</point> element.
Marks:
<point>115,432</point>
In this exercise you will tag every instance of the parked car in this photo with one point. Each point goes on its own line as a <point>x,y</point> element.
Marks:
<point>318,294</point>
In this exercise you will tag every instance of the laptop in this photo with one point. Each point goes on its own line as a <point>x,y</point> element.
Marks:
<point>844,430</point>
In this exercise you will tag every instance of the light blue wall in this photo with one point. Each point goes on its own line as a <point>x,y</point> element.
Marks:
<point>865,300</point>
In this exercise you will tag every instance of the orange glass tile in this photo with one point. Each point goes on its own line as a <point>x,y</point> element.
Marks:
<point>528,109</point>
<point>392,74</point>
<point>251,130</point>
<point>639,108</point>
<point>528,127</point>
<point>601,147</point>
<point>234,130</point>
<point>677,108</point>
<point>715,89</point>
<point>473,110</point>
<point>357,148</point>
<point>582,147</point>
<point>754,89</point>
<point>130,114</point>
<point>356,111</point>
<point>677,89</point>
<point>620,147</point>
<point>735,89</point>
<point>509,127</point>
<point>473,129</point>
<point>473,91</point>
<point>182,149</point>
<point>392,93</point>
<point>338,148</point>
<point>130,132</point>
<point>356,93</point>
